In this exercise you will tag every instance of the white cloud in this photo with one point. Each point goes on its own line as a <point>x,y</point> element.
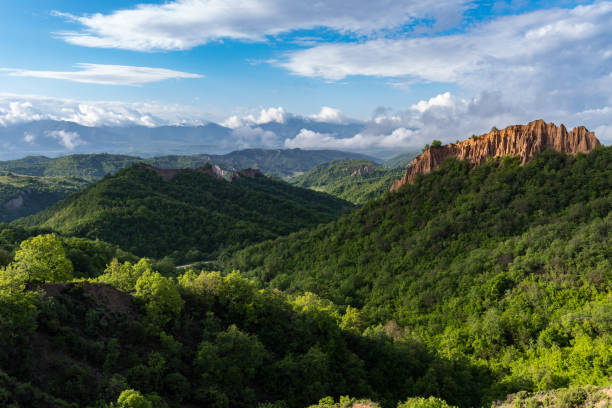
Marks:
<point>266,115</point>
<point>69,140</point>
<point>271,115</point>
<point>247,137</point>
<point>329,115</point>
<point>438,100</point>
<point>29,138</point>
<point>15,108</point>
<point>184,24</point>
<point>308,139</point>
<point>515,45</point>
<point>107,74</point>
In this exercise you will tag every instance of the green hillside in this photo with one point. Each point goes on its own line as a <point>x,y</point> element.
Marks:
<point>86,166</point>
<point>201,339</point>
<point>508,266</point>
<point>193,215</point>
<point>357,180</point>
<point>401,160</point>
<point>21,196</point>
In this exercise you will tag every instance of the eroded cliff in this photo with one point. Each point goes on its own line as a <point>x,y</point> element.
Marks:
<point>524,141</point>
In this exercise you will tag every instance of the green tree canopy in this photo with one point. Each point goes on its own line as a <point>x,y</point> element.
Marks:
<point>42,259</point>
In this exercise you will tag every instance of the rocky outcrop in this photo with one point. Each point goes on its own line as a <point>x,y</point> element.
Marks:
<point>248,173</point>
<point>524,141</point>
<point>168,174</point>
<point>17,202</point>
<point>360,170</point>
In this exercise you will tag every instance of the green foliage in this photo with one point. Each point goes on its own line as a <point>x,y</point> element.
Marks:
<point>133,399</point>
<point>504,265</point>
<point>124,276</point>
<point>357,180</point>
<point>345,402</point>
<point>41,259</point>
<point>419,402</point>
<point>436,143</point>
<point>192,214</point>
<point>163,303</point>
<point>588,396</point>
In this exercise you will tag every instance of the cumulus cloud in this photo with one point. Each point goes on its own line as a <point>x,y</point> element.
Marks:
<point>184,24</point>
<point>266,115</point>
<point>248,137</point>
<point>308,139</point>
<point>16,108</point>
<point>329,115</point>
<point>29,138</point>
<point>69,140</point>
<point>107,74</point>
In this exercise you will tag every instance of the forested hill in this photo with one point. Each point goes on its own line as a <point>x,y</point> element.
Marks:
<point>192,214</point>
<point>506,265</point>
<point>278,162</point>
<point>354,180</point>
<point>24,195</point>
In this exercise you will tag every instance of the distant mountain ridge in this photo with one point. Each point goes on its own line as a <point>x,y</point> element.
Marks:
<point>277,162</point>
<point>524,141</point>
<point>54,138</point>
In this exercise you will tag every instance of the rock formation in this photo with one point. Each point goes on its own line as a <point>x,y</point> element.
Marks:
<point>168,174</point>
<point>249,173</point>
<point>524,141</point>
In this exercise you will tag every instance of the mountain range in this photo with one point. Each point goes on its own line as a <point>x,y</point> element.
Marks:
<point>54,138</point>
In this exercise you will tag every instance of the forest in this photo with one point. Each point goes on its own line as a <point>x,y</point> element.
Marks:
<point>356,180</point>
<point>192,217</point>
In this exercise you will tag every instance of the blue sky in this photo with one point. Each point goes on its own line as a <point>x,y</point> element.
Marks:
<point>421,69</point>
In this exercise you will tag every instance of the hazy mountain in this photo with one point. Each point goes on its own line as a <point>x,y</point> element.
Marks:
<point>54,138</point>
<point>278,162</point>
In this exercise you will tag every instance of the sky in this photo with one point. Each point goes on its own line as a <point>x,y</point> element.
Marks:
<point>409,70</point>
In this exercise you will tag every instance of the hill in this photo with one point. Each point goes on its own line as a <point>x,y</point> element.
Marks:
<point>21,196</point>
<point>357,180</point>
<point>192,213</point>
<point>504,264</point>
<point>279,163</point>
<point>400,160</point>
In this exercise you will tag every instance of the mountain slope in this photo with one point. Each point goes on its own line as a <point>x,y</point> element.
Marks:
<point>357,180</point>
<point>505,264</point>
<point>156,212</point>
<point>21,196</point>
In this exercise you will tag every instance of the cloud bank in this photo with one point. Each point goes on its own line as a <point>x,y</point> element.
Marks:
<point>16,108</point>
